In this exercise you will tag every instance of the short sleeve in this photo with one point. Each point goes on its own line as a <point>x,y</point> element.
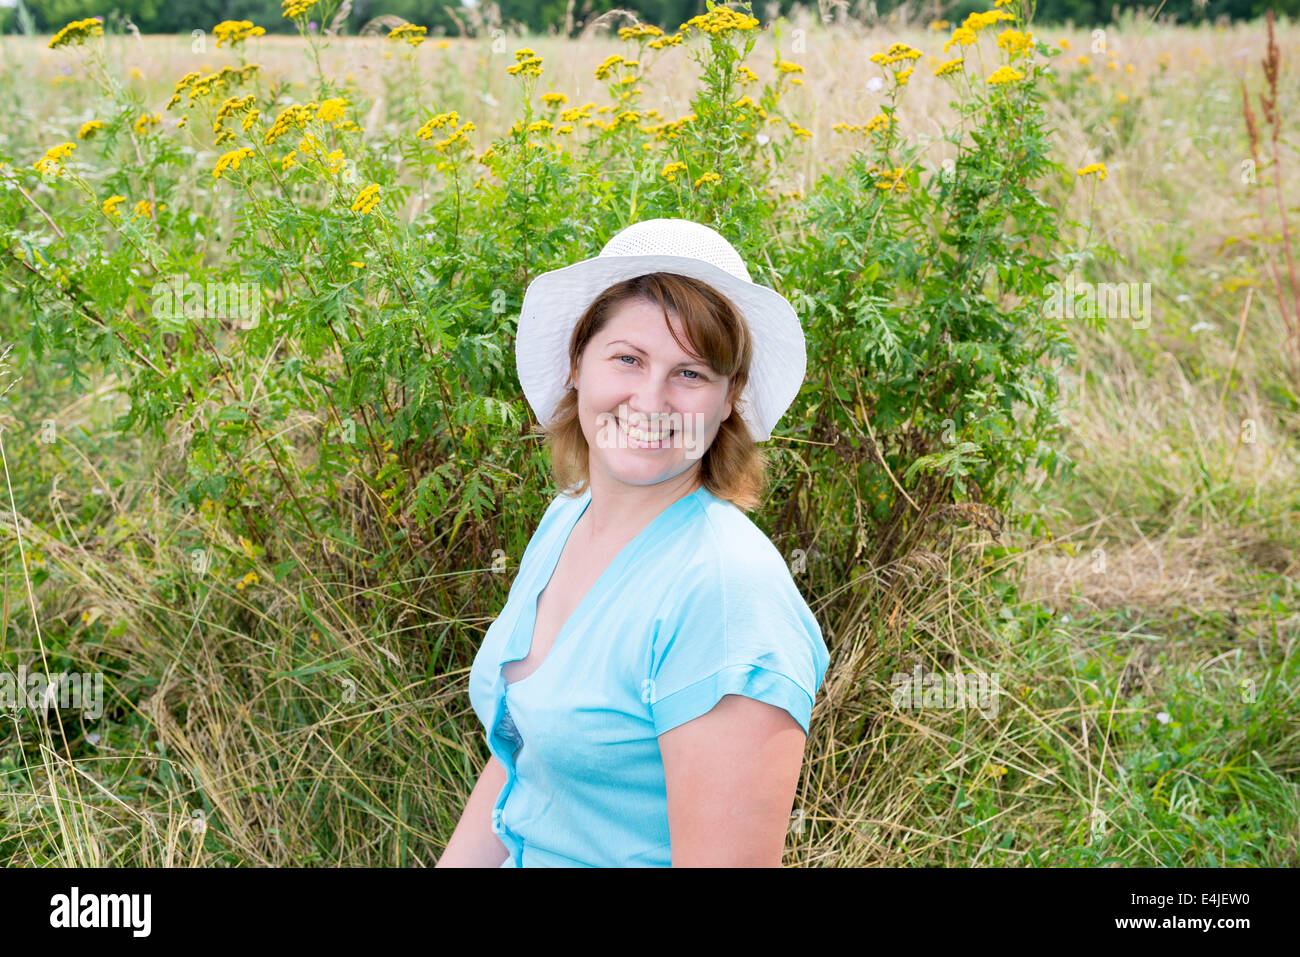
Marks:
<point>740,627</point>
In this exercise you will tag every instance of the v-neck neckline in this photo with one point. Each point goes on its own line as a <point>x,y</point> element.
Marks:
<point>527,624</point>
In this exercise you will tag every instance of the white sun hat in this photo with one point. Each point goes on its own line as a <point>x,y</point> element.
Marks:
<point>555,300</point>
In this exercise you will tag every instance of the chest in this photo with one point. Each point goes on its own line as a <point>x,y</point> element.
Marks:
<point>575,575</point>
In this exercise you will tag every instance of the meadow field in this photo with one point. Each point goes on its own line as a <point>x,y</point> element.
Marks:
<point>280,536</point>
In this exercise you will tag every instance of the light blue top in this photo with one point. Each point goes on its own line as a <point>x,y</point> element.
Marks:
<point>700,604</point>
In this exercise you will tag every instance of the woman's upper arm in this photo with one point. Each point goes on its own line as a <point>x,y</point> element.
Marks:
<point>731,776</point>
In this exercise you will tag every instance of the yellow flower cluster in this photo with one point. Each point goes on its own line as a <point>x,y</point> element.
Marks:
<point>1098,168</point>
<point>450,121</point>
<point>438,122</point>
<point>292,9</point>
<point>527,63</point>
<point>554,99</point>
<point>88,129</point>
<point>670,171</point>
<point>77,32</point>
<point>903,75</point>
<point>144,209</point>
<point>949,66</point>
<point>332,110</point>
<point>215,82</point>
<point>366,200</point>
<point>721,21</point>
<point>896,53</point>
<point>52,161</point>
<point>1005,74</point>
<point>409,32</point>
<point>234,104</point>
<point>978,21</point>
<point>878,122</point>
<point>607,65</point>
<point>146,120</point>
<point>298,115</point>
<point>669,41</point>
<point>639,31</point>
<point>231,160</point>
<point>962,35</point>
<point>1001,3</point>
<point>1015,42</point>
<point>785,66</point>
<point>937,25</point>
<point>671,129</point>
<point>235,32</point>
<point>181,85</point>
<point>335,161</point>
<point>890,179</point>
<point>576,113</point>
<point>708,177</point>
<point>249,579</point>
<point>111,204</point>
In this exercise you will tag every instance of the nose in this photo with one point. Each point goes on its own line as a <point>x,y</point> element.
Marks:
<point>647,398</point>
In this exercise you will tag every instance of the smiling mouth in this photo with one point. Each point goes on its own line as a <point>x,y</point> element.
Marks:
<point>644,438</point>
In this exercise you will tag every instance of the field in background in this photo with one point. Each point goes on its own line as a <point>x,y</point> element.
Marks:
<point>1147,653</point>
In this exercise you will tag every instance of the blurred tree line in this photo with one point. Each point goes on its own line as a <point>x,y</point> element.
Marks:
<point>542,16</point>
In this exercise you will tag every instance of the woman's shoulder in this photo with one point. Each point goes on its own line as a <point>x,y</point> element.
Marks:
<point>728,540</point>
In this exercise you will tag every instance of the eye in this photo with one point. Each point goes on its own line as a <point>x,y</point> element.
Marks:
<point>633,358</point>
<point>692,372</point>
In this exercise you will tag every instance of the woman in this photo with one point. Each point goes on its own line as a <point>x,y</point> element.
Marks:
<point>646,690</point>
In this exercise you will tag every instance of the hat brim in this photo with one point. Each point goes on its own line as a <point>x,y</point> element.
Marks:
<point>554,301</point>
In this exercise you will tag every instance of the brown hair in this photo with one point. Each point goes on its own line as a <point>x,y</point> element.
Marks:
<point>733,467</point>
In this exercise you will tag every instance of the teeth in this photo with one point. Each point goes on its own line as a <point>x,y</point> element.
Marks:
<point>642,435</point>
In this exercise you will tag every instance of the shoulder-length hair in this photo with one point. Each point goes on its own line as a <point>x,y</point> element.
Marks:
<point>733,467</point>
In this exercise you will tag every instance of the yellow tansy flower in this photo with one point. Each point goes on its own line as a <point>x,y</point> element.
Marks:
<point>231,160</point>
<point>1005,74</point>
<point>366,200</point>
<point>144,208</point>
<point>235,32</point>
<point>412,34</point>
<point>962,35</point>
<point>332,110</point>
<point>292,9</point>
<point>146,120</point>
<point>52,161</point>
<point>77,32</point>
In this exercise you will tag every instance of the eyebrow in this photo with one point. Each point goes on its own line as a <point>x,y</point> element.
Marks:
<point>636,348</point>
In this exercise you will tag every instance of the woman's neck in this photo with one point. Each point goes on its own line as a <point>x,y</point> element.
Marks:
<point>619,511</point>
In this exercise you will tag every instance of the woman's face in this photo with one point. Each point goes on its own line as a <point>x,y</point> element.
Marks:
<point>648,409</point>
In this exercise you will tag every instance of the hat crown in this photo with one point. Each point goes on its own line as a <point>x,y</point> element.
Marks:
<point>677,237</point>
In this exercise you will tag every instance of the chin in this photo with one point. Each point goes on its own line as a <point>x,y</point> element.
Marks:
<point>640,473</point>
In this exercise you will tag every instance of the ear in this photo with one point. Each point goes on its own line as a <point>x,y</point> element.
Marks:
<point>731,398</point>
